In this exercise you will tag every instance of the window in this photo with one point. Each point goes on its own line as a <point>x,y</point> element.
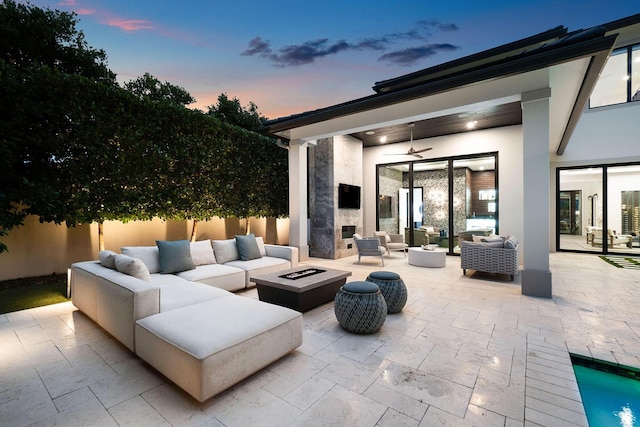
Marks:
<point>620,78</point>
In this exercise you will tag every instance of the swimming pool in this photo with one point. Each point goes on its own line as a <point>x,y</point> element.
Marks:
<point>610,394</point>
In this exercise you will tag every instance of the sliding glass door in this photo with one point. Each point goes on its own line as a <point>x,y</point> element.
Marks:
<point>440,201</point>
<point>598,209</point>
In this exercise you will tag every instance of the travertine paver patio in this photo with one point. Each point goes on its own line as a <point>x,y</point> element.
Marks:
<point>464,351</point>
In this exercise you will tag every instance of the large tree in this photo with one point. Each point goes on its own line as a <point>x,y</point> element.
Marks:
<point>39,48</point>
<point>75,147</point>
<point>231,111</point>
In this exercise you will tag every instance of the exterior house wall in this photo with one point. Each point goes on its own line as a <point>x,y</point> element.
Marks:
<point>604,135</point>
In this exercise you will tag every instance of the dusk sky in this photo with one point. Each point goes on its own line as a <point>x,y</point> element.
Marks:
<point>294,56</point>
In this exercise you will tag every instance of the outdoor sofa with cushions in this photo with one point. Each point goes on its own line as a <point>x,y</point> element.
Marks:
<point>490,254</point>
<point>199,335</point>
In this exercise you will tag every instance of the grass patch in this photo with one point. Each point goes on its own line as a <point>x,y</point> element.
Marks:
<point>20,294</point>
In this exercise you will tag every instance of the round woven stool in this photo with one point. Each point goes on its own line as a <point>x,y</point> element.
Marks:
<point>360,307</point>
<point>392,287</point>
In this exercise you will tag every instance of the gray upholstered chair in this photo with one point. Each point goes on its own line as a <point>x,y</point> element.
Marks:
<point>369,246</point>
<point>392,242</point>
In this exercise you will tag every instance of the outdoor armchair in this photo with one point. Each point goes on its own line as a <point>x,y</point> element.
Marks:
<point>369,246</point>
<point>392,242</point>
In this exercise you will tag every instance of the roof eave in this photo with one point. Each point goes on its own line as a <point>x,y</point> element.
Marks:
<point>515,65</point>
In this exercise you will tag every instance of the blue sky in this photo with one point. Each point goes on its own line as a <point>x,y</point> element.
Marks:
<point>294,56</point>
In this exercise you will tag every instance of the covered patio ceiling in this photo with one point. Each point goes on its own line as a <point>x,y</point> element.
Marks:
<point>485,117</point>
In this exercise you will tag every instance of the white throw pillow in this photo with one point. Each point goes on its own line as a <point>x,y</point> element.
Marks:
<point>132,266</point>
<point>149,255</point>
<point>202,253</point>
<point>108,259</point>
<point>263,249</point>
<point>225,250</point>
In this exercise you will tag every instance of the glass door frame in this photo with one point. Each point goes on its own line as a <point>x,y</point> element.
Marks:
<point>605,206</point>
<point>450,171</point>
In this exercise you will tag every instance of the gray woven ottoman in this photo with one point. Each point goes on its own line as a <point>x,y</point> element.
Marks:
<point>360,307</point>
<point>392,287</point>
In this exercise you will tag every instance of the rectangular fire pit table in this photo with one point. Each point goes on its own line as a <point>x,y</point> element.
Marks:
<point>301,288</point>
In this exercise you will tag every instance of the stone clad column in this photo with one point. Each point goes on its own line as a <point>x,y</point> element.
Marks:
<point>536,276</point>
<point>298,198</point>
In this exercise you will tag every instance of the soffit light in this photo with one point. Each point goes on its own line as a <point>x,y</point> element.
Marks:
<point>383,139</point>
<point>472,124</point>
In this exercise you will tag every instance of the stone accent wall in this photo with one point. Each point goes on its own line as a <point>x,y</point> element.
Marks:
<point>331,162</point>
<point>389,181</point>
<point>435,195</point>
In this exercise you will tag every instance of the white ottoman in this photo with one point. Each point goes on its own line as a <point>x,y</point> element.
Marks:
<point>208,347</point>
<point>421,258</point>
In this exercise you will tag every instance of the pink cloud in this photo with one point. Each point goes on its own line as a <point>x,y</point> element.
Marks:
<point>73,4</point>
<point>130,24</point>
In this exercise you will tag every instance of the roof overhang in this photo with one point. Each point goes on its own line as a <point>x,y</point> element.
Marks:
<point>576,58</point>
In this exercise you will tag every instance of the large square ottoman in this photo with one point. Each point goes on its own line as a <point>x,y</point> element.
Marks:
<point>208,347</point>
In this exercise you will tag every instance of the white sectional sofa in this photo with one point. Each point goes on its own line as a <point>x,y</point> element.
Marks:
<point>187,324</point>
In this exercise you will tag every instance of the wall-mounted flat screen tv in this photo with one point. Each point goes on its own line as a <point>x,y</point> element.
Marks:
<point>348,196</point>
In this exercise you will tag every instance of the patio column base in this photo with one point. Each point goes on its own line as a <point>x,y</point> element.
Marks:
<point>303,253</point>
<point>536,283</point>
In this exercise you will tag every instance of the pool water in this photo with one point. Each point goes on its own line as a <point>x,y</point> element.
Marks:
<point>609,399</point>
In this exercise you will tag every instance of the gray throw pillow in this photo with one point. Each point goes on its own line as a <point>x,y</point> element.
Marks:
<point>132,266</point>
<point>225,250</point>
<point>248,247</point>
<point>511,243</point>
<point>108,259</point>
<point>175,256</point>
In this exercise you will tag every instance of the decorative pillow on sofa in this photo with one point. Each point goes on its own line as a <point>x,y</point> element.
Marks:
<point>511,242</point>
<point>202,253</point>
<point>225,250</point>
<point>132,266</point>
<point>108,259</point>
<point>260,241</point>
<point>147,254</point>
<point>175,256</point>
<point>248,247</point>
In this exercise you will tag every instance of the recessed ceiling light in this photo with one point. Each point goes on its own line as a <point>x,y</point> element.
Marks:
<point>472,124</point>
<point>383,138</point>
<point>370,132</point>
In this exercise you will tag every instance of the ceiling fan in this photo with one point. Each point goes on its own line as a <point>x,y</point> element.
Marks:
<point>412,151</point>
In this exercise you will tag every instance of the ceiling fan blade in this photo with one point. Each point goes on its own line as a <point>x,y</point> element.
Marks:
<point>423,150</point>
<point>417,155</point>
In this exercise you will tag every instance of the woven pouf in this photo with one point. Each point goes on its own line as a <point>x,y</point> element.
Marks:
<point>360,307</point>
<point>392,287</point>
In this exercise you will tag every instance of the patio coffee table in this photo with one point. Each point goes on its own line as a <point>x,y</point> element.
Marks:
<point>301,288</point>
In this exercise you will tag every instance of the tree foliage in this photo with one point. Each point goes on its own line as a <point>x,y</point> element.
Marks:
<point>75,147</point>
<point>150,88</point>
<point>231,111</point>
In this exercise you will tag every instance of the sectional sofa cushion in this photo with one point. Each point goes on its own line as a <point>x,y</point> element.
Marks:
<point>149,255</point>
<point>218,275</point>
<point>248,247</point>
<point>225,250</point>
<point>175,256</point>
<point>208,347</point>
<point>202,253</point>
<point>108,259</point>
<point>260,266</point>
<point>176,292</point>
<point>132,266</point>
